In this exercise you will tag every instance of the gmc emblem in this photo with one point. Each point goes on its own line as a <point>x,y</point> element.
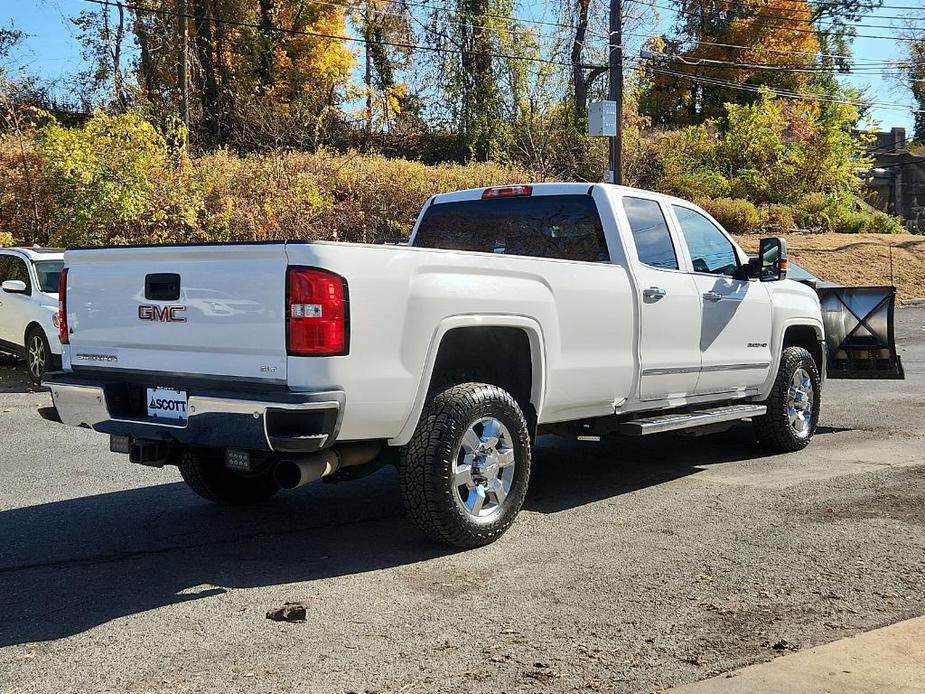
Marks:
<point>161,314</point>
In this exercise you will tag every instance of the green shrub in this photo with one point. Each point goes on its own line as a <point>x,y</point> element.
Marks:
<point>116,180</point>
<point>778,219</point>
<point>736,216</point>
<point>99,176</point>
<point>841,213</point>
<point>6,239</point>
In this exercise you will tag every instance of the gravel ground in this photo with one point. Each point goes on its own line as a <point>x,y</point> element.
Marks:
<point>636,564</point>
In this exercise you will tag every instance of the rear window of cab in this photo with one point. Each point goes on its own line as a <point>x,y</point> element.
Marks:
<point>540,226</point>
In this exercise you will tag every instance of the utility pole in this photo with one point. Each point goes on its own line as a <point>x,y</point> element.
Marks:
<point>183,69</point>
<point>615,94</point>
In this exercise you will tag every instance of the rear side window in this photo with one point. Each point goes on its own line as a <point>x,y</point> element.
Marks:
<point>543,226</point>
<point>650,233</point>
<point>710,250</point>
<point>48,272</point>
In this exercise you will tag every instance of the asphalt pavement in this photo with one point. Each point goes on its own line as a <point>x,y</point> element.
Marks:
<point>636,565</point>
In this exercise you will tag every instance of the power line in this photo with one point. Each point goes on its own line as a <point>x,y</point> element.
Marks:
<point>774,51</point>
<point>870,71</point>
<point>836,3</point>
<point>784,93</point>
<point>330,37</point>
<point>686,13</point>
<point>515,32</point>
<point>732,6</point>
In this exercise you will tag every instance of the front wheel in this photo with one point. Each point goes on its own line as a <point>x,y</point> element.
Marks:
<point>793,405</point>
<point>465,472</point>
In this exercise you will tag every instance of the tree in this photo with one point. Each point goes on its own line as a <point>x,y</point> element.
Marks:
<point>699,70</point>
<point>582,77</point>
<point>264,73</point>
<point>101,33</point>
<point>385,28</point>
<point>916,76</point>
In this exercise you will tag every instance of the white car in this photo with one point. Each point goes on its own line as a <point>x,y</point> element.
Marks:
<point>572,309</point>
<point>29,307</point>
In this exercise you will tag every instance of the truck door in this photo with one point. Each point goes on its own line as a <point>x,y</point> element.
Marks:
<point>13,306</point>
<point>736,315</point>
<point>669,313</point>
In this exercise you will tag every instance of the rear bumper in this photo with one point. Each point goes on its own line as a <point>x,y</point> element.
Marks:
<point>279,420</point>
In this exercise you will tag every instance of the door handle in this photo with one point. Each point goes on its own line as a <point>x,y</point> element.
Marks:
<point>654,293</point>
<point>713,296</point>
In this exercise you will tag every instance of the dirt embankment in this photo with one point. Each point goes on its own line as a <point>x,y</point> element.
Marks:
<point>859,259</point>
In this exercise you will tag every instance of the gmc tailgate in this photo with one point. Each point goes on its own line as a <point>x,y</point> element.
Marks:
<point>199,310</point>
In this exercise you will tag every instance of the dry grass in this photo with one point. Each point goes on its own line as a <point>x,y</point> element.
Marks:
<point>859,259</point>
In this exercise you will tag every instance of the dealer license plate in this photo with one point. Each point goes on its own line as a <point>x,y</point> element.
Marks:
<point>167,403</point>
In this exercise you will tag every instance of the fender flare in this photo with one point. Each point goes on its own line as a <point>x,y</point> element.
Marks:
<point>535,336</point>
<point>800,321</point>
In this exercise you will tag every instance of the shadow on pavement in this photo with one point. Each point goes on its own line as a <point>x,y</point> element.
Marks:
<point>13,376</point>
<point>71,565</point>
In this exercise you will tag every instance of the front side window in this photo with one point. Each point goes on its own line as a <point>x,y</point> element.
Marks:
<point>711,252</point>
<point>650,233</point>
<point>14,268</point>
<point>542,226</point>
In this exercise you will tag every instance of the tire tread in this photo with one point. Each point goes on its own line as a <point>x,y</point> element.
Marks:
<point>424,465</point>
<point>773,429</point>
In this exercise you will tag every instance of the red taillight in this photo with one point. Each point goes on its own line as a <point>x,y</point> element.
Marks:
<point>507,192</point>
<point>316,313</point>
<point>62,307</point>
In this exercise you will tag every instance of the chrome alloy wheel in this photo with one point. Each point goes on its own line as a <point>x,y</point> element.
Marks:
<point>36,356</point>
<point>800,403</point>
<point>483,471</point>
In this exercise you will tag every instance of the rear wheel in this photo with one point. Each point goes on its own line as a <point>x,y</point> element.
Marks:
<point>205,472</point>
<point>38,355</point>
<point>465,472</point>
<point>793,405</point>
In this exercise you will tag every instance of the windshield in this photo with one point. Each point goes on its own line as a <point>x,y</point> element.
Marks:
<point>48,272</point>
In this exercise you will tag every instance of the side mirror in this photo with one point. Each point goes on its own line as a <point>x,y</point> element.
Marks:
<point>772,259</point>
<point>14,287</point>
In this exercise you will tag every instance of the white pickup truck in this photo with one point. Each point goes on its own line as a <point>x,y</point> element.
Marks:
<point>573,309</point>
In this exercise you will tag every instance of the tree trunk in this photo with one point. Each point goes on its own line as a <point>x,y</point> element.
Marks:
<point>208,85</point>
<point>579,77</point>
<point>265,60</point>
<point>117,83</point>
<point>479,88</point>
<point>145,62</point>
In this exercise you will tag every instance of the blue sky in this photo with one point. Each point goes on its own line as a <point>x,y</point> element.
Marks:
<point>52,51</point>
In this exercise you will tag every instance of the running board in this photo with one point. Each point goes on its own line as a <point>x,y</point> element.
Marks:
<point>689,420</point>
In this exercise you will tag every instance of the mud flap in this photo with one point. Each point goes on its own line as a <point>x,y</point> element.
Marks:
<point>859,332</point>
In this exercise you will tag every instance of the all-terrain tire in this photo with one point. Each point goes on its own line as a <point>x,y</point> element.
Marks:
<point>205,472</point>
<point>774,430</point>
<point>426,464</point>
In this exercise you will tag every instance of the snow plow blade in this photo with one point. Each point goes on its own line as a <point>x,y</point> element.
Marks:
<point>859,332</point>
